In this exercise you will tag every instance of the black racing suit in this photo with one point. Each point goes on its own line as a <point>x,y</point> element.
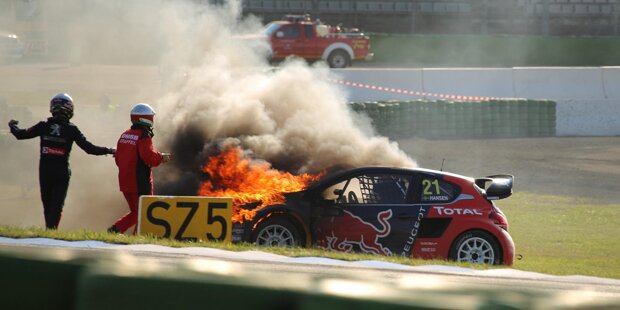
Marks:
<point>57,137</point>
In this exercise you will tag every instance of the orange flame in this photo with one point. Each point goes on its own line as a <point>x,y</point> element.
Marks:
<point>247,181</point>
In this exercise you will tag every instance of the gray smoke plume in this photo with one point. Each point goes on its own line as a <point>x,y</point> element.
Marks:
<point>290,116</point>
<point>203,69</point>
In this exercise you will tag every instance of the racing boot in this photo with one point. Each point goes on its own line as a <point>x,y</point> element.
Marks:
<point>114,230</point>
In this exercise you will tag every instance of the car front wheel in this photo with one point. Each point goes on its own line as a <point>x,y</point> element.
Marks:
<point>276,232</point>
<point>476,247</point>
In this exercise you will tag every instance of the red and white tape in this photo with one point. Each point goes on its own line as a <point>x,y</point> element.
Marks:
<point>413,92</point>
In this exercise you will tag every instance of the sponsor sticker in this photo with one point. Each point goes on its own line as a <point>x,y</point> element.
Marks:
<point>53,151</point>
<point>358,44</point>
<point>413,234</point>
<point>458,211</point>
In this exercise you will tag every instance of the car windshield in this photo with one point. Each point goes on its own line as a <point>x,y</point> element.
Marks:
<point>271,28</point>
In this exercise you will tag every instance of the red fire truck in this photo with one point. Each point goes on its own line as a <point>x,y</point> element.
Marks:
<point>298,35</point>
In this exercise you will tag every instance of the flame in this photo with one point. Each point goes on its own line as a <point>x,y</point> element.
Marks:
<point>248,181</point>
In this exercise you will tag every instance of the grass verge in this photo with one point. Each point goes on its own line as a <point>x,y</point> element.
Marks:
<point>555,235</point>
<point>564,236</point>
<point>79,235</point>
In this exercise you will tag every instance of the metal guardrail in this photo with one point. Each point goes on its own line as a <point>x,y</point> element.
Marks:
<point>525,7</point>
<point>558,17</point>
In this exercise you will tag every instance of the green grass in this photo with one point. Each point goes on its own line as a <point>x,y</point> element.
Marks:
<point>37,232</point>
<point>555,235</point>
<point>564,236</point>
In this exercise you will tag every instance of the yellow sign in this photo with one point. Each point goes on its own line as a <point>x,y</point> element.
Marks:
<point>186,217</point>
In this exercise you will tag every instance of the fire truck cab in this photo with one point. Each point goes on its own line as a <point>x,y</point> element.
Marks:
<point>298,35</point>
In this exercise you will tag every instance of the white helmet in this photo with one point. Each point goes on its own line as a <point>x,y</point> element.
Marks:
<point>142,114</point>
<point>62,105</point>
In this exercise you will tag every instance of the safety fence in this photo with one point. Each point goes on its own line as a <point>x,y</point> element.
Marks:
<point>44,278</point>
<point>461,119</point>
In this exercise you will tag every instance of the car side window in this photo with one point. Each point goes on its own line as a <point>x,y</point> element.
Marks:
<point>433,189</point>
<point>290,32</point>
<point>308,31</point>
<point>370,189</point>
<point>335,192</point>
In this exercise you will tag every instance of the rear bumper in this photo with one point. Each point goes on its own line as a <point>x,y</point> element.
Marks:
<point>508,247</point>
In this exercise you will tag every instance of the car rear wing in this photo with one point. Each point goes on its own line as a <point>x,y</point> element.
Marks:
<point>496,186</point>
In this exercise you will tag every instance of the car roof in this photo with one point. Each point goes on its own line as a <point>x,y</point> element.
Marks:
<point>381,169</point>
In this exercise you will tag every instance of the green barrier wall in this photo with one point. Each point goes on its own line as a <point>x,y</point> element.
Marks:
<point>461,119</point>
<point>47,278</point>
<point>39,280</point>
<point>494,50</point>
<point>123,287</point>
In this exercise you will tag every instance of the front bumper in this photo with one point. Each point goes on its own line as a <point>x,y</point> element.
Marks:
<point>241,232</point>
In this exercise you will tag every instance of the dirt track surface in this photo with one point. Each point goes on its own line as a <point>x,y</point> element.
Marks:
<point>585,167</point>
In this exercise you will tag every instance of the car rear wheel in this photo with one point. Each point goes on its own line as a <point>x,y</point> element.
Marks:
<point>276,232</point>
<point>476,247</point>
<point>338,59</point>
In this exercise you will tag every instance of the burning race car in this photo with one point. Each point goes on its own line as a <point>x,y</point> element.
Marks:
<point>416,213</point>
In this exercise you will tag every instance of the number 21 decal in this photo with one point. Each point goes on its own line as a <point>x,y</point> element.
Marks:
<point>429,186</point>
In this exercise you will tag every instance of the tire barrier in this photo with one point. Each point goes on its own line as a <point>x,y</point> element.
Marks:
<point>47,278</point>
<point>439,119</point>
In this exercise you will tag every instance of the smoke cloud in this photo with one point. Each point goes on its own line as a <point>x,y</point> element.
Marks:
<point>213,87</point>
<point>291,116</point>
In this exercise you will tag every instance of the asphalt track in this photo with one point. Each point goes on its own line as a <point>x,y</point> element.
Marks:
<point>586,167</point>
<point>579,167</point>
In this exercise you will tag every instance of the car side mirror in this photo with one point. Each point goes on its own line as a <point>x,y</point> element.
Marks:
<point>279,34</point>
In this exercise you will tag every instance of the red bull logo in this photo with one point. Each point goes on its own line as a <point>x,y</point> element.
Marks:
<point>348,230</point>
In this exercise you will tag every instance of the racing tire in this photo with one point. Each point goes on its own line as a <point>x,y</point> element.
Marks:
<point>338,59</point>
<point>276,232</point>
<point>476,247</point>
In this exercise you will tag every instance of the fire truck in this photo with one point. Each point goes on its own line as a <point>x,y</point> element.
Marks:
<point>298,35</point>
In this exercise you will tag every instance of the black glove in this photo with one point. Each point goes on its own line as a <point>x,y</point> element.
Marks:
<point>112,151</point>
<point>13,123</point>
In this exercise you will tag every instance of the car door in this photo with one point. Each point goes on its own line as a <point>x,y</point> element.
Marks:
<point>285,41</point>
<point>375,214</point>
<point>428,191</point>
<point>308,43</point>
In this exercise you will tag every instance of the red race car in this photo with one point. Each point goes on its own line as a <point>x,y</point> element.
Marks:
<point>415,213</point>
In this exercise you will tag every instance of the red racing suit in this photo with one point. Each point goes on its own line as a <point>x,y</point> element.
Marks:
<point>135,156</point>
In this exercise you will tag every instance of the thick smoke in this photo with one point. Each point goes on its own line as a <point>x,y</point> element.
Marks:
<point>205,72</point>
<point>290,116</point>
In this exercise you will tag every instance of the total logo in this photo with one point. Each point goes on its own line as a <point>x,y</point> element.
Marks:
<point>452,211</point>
